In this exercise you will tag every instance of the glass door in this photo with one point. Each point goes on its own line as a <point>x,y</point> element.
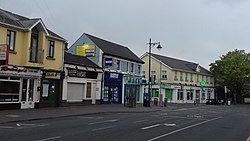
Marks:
<point>27,93</point>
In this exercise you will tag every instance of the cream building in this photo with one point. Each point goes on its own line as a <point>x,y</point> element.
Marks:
<point>178,81</point>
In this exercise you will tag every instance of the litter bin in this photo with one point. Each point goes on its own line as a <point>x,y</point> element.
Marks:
<point>155,101</point>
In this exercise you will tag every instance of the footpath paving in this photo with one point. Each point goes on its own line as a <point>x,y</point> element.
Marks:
<point>55,112</point>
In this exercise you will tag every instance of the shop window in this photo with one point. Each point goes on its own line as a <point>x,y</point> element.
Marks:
<point>9,91</point>
<point>88,95</point>
<point>168,94</point>
<point>189,95</point>
<point>155,92</point>
<point>180,94</point>
<point>203,94</point>
<point>10,40</point>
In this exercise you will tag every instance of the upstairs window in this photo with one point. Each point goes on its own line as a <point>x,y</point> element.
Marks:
<point>181,76</point>
<point>118,63</point>
<point>139,69</point>
<point>10,40</point>
<point>186,77</point>
<point>164,75</point>
<point>51,47</point>
<point>175,76</point>
<point>127,67</point>
<point>132,67</point>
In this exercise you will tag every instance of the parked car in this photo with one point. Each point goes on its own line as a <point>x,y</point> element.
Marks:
<point>212,102</point>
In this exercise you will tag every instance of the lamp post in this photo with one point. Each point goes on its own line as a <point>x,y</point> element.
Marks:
<point>151,45</point>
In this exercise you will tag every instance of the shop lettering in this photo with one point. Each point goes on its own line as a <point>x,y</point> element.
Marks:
<point>114,75</point>
<point>50,73</point>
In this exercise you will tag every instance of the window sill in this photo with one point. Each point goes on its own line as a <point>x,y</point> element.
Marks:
<point>13,52</point>
<point>50,58</point>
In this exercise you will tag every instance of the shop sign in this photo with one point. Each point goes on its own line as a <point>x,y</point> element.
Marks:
<point>109,76</point>
<point>52,75</point>
<point>4,54</point>
<point>85,50</point>
<point>109,62</point>
<point>114,75</point>
<point>82,74</point>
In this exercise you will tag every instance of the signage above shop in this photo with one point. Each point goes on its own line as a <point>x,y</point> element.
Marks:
<point>109,62</point>
<point>13,68</point>
<point>82,74</point>
<point>85,50</point>
<point>4,54</point>
<point>52,75</point>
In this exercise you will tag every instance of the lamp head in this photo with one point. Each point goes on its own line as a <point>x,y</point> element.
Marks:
<point>159,47</point>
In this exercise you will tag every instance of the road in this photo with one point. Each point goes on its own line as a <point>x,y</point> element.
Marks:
<point>206,123</point>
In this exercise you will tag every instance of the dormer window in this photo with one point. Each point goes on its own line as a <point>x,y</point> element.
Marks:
<point>198,69</point>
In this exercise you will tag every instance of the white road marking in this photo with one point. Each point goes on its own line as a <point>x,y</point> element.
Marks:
<point>112,120</point>
<point>141,121</point>
<point>8,127</point>
<point>152,126</point>
<point>197,124</point>
<point>248,139</point>
<point>13,116</point>
<point>102,128</point>
<point>170,124</point>
<point>52,138</point>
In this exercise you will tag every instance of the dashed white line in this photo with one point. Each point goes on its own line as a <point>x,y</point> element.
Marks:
<point>52,138</point>
<point>7,127</point>
<point>102,128</point>
<point>197,124</point>
<point>112,120</point>
<point>152,126</point>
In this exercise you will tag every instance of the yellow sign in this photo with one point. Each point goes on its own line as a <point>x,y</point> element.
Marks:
<point>50,73</point>
<point>85,50</point>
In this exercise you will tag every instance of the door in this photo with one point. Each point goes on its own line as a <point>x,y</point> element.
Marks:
<point>197,96</point>
<point>112,94</point>
<point>28,89</point>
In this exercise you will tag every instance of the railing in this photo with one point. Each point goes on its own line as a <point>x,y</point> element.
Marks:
<point>36,55</point>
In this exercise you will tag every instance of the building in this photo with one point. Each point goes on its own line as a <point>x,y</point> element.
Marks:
<point>31,63</point>
<point>82,82</point>
<point>122,68</point>
<point>177,80</point>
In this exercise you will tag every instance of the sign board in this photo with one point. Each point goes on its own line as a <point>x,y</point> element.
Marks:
<point>82,74</point>
<point>52,75</point>
<point>109,62</point>
<point>85,50</point>
<point>4,52</point>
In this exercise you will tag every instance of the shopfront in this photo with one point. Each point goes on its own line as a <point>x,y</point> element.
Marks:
<point>19,87</point>
<point>112,88</point>
<point>51,89</point>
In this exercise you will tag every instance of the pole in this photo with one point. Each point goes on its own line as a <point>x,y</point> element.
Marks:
<point>149,68</point>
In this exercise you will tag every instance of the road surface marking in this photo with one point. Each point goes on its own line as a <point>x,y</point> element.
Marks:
<point>170,133</point>
<point>13,116</point>
<point>187,117</point>
<point>248,139</point>
<point>52,138</point>
<point>112,120</point>
<point>102,128</point>
<point>8,127</point>
<point>140,121</point>
<point>152,126</point>
<point>170,124</point>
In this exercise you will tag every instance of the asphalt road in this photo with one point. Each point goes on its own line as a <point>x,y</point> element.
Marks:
<point>201,123</point>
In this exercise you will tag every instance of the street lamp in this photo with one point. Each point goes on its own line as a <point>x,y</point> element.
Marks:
<point>151,45</point>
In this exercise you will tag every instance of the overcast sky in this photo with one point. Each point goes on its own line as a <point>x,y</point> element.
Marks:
<point>194,30</point>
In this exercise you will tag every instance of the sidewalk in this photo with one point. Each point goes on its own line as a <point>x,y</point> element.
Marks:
<point>46,113</point>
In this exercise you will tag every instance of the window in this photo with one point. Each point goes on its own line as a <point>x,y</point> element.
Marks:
<point>208,79</point>
<point>175,76</point>
<point>88,95</point>
<point>180,94</point>
<point>190,95</point>
<point>127,67</point>
<point>211,80</point>
<point>203,93</point>
<point>197,79</point>
<point>143,73</point>
<point>118,64</point>
<point>181,76</point>
<point>51,46</point>
<point>186,77</point>
<point>202,77</point>
<point>155,92</point>
<point>132,67</point>
<point>10,40</point>
<point>9,91</point>
<point>191,77</point>
<point>139,69</point>
<point>164,75</point>
<point>153,75</point>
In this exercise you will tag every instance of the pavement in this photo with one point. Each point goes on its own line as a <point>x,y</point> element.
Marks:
<point>56,112</point>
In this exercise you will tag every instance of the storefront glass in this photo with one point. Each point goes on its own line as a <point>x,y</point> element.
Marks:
<point>9,91</point>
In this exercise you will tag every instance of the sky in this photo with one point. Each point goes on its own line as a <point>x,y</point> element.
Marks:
<point>199,31</point>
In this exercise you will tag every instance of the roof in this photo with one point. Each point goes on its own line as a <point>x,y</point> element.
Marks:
<point>22,22</point>
<point>113,49</point>
<point>180,64</point>
<point>78,60</point>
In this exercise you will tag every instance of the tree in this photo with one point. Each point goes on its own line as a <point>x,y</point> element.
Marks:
<point>232,71</point>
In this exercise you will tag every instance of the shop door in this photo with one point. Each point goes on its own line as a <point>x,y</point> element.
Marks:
<point>111,95</point>
<point>197,96</point>
<point>28,90</point>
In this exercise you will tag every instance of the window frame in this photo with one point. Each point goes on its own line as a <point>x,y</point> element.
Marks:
<point>51,44</point>
<point>164,74</point>
<point>9,38</point>
<point>118,63</point>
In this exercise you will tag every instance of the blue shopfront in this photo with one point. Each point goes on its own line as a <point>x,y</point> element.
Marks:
<point>112,88</point>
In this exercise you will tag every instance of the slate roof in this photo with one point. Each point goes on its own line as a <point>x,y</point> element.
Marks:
<point>78,60</point>
<point>22,22</point>
<point>180,64</point>
<point>113,49</point>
